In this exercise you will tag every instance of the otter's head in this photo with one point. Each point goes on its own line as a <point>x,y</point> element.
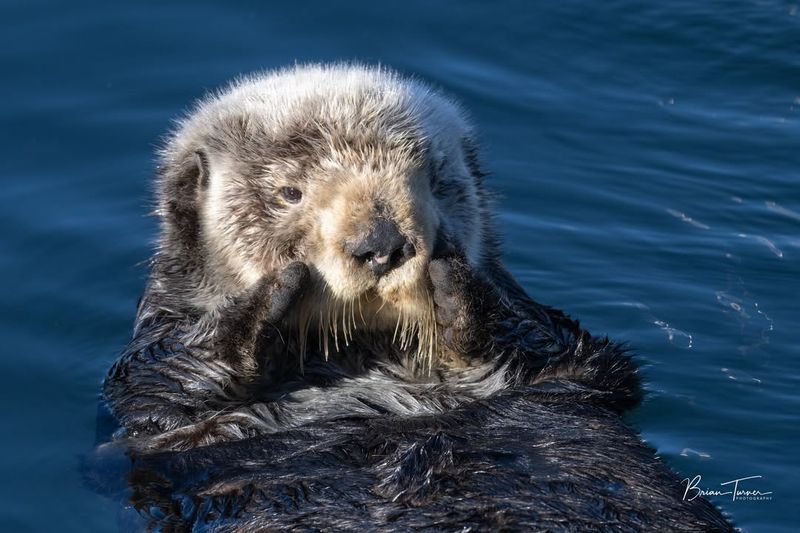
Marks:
<point>358,173</point>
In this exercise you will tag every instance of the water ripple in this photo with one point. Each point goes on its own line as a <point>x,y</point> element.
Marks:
<point>673,334</point>
<point>686,452</point>
<point>765,241</point>
<point>686,218</point>
<point>773,206</point>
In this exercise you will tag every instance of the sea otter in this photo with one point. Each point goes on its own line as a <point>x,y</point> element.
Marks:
<point>329,340</point>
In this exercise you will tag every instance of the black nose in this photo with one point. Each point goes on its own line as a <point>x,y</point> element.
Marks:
<point>384,247</point>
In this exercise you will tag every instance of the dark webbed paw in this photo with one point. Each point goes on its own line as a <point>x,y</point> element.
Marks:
<point>463,306</point>
<point>278,294</point>
<point>254,316</point>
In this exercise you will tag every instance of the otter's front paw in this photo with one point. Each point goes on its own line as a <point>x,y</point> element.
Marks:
<point>253,317</point>
<point>276,296</point>
<point>462,307</point>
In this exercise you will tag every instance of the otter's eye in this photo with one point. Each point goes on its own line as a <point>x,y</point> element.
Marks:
<point>291,195</point>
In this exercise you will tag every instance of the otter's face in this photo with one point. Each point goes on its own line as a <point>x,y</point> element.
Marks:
<point>365,226</point>
<point>364,229</point>
<point>363,201</point>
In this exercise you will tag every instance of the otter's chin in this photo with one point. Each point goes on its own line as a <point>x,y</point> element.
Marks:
<point>409,301</point>
<point>346,301</point>
<point>403,283</point>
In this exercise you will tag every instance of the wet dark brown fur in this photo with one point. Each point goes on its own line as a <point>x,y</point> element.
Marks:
<point>229,421</point>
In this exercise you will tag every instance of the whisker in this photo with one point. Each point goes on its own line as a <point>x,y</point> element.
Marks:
<point>433,333</point>
<point>325,326</point>
<point>360,312</point>
<point>396,326</point>
<point>335,327</point>
<point>344,322</point>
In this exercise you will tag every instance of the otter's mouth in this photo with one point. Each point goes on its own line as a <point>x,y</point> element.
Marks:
<point>403,311</point>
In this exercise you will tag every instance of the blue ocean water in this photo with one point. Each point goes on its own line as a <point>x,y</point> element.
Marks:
<point>647,159</point>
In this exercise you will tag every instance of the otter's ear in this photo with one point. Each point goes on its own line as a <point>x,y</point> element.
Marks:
<point>183,183</point>
<point>201,161</point>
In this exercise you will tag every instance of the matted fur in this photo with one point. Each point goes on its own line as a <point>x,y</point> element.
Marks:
<point>274,381</point>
